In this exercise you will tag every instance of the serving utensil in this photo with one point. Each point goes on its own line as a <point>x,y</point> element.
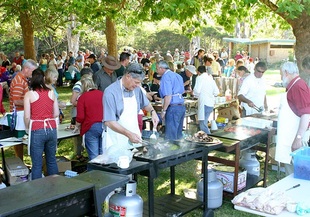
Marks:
<point>259,109</point>
<point>295,186</point>
<point>153,135</point>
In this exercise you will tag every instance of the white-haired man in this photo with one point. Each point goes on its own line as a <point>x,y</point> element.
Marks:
<point>294,115</point>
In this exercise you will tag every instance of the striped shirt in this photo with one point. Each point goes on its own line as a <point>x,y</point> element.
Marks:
<point>18,89</point>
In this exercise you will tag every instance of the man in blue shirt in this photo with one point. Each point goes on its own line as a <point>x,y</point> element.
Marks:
<point>171,90</point>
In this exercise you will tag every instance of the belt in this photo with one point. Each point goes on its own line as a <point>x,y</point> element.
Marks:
<point>180,104</point>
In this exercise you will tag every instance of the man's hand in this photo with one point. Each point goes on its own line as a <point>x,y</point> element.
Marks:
<point>155,119</point>
<point>162,115</point>
<point>134,138</point>
<point>305,138</point>
<point>251,104</point>
<point>297,144</point>
<point>187,82</point>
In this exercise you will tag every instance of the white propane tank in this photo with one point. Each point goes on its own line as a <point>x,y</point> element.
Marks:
<point>250,163</point>
<point>126,203</point>
<point>215,190</point>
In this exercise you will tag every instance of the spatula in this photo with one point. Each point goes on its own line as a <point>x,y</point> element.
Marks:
<point>153,135</point>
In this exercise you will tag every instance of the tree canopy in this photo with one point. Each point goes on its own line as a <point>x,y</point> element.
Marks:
<point>42,18</point>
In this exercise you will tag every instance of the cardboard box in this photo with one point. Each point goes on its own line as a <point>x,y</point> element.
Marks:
<point>232,112</point>
<point>14,180</point>
<point>16,167</point>
<point>62,163</point>
<point>225,174</point>
<point>16,170</point>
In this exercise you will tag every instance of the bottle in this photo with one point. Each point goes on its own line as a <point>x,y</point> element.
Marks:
<point>228,93</point>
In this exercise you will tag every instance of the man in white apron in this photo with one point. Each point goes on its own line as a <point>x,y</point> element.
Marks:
<point>294,115</point>
<point>122,101</point>
<point>253,91</point>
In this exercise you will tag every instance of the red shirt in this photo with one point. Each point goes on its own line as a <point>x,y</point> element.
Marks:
<point>89,109</point>
<point>41,109</point>
<point>298,97</point>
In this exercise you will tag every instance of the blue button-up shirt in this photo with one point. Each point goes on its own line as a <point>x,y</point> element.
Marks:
<point>171,83</point>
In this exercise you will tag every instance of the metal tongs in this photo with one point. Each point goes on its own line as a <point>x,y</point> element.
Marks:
<point>143,143</point>
<point>259,109</point>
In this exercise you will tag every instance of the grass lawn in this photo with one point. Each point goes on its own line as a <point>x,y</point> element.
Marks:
<point>187,174</point>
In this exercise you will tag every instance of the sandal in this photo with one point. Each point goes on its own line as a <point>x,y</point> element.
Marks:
<point>81,158</point>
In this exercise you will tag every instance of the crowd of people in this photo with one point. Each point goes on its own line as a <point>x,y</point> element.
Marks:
<point>108,100</point>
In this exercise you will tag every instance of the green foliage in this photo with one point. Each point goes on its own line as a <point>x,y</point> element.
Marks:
<point>164,40</point>
<point>291,9</point>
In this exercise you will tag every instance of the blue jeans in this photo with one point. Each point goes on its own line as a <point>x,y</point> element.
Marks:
<point>174,122</point>
<point>43,141</point>
<point>203,124</point>
<point>93,140</point>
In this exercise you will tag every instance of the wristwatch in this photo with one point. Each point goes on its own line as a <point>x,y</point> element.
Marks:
<point>298,136</point>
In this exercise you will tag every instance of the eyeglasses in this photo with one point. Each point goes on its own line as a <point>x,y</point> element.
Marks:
<point>260,71</point>
<point>137,72</point>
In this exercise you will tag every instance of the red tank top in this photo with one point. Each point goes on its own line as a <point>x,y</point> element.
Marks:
<point>41,110</point>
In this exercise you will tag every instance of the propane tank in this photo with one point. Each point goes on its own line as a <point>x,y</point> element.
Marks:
<point>250,163</point>
<point>126,203</point>
<point>215,190</point>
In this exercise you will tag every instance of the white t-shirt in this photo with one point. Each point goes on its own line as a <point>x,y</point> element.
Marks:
<point>51,64</point>
<point>206,90</point>
<point>253,89</point>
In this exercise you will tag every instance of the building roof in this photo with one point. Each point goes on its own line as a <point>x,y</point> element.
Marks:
<point>260,41</point>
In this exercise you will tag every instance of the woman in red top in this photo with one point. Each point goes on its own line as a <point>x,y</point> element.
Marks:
<point>90,116</point>
<point>41,110</point>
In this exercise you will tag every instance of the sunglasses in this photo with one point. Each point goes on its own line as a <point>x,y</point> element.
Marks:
<point>259,71</point>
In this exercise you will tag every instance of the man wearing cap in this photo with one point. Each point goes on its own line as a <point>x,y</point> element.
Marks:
<point>94,64</point>
<point>171,90</point>
<point>106,75</point>
<point>252,93</point>
<point>186,75</point>
<point>124,59</point>
<point>122,102</point>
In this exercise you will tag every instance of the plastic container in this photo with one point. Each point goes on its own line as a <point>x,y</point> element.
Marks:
<point>302,163</point>
<point>215,190</point>
<point>228,94</point>
<point>250,162</point>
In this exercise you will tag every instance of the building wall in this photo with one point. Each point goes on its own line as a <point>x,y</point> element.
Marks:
<point>271,55</point>
<point>279,54</point>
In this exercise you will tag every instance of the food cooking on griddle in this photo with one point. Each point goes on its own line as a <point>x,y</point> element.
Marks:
<point>201,136</point>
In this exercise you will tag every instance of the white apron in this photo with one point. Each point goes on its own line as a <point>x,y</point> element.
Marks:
<point>288,123</point>
<point>128,120</point>
<point>201,110</point>
<point>46,124</point>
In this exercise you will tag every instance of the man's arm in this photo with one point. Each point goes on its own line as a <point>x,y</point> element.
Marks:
<point>114,125</point>
<point>242,98</point>
<point>303,126</point>
<point>150,109</point>
<point>167,100</point>
<point>265,103</point>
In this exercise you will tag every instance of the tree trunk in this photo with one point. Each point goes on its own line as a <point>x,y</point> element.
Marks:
<point>301,30</point>
<point>111,37</point>
<point>73,40</point>
<point>28,35</point>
